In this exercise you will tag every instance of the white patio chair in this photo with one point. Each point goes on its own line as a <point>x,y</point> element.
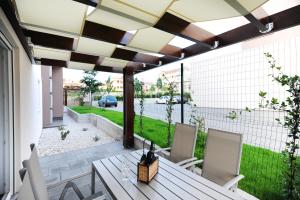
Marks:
<point>25,192</point>
<point>222,158</point>
<point>39,186</point>
<point>183,146</point>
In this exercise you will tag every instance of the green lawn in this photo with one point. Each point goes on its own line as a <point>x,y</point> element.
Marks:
<point>261,167</point>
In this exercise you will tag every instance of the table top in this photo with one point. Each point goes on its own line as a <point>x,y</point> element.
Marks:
<point>171,182</point>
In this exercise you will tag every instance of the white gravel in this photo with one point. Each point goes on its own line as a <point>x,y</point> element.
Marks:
<point>51,143</point>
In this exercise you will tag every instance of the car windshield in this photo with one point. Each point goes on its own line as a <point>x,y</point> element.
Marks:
<point>111,98</point>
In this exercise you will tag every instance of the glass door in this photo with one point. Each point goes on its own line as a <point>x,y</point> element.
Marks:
<point>5,114</point>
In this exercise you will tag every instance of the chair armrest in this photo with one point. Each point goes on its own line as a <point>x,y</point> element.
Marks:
<point>192,163</point>
<point>74,187</point>
<point>233,181</point>
<point>162,149</point>
<point>186,161</point>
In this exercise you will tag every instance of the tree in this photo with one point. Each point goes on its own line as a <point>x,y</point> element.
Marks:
<point>159,83</point>
<point>109,85</point>
<point>152,88</point>
<point>91,84</point>
<point>137,86</point>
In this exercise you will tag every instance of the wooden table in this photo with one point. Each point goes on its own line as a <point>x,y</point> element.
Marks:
<point>172,181</point>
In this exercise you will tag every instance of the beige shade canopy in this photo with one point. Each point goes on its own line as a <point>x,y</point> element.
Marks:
<point>49,53</point>
<point>95,47</point>
<point>49,14</point>
<point>57,28</point>
<point>79,65</point>
<point>155,45</point>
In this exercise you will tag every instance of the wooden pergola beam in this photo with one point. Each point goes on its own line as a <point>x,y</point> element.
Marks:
<point>179,27</point>
<point>282,20</point>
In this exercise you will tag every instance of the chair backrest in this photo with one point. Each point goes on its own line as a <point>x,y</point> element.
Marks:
<point>222,156</point>
<point>25,192</point>
<point>36,177</point>
<point>184,142</point>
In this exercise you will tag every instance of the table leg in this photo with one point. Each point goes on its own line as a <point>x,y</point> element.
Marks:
<point>93,179</point>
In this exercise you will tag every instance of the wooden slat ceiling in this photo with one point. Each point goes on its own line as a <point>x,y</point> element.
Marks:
<point>104,40</point>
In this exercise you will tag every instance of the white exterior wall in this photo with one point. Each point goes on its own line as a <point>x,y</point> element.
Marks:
<point>233,76</point>
<point>27,99</point>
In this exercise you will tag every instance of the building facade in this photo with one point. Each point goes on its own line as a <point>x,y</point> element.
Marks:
<point>21,110</point>
<point>175,75</point>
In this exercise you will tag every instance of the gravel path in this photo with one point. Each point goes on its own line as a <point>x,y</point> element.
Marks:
<point>51,143</point>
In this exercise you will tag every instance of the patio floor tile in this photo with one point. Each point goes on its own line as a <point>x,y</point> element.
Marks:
<point>57,168</point>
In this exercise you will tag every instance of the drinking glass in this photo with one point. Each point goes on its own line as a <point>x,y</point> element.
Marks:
<point>125,171</point>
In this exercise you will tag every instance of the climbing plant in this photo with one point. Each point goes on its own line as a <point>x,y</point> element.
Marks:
<point>141,95</point>
<point>171,87</point>
<point>291,121</point>
<point>290,106</point>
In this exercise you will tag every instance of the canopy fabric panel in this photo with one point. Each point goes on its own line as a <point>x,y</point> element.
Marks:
<point>79,65</point>
<point>109,35</point>
<point>95,47</point>
<point>50,31</point>
<point>101,16</point>
<point>203,10</point>
<point>67,16</point>
<point>154,7</point>
<point>112,62</point>
<point>160,39</point>
<point>137,14</point>
<point>42,52</point>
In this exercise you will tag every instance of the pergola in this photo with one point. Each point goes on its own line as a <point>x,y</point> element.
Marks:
<point>132,36</point>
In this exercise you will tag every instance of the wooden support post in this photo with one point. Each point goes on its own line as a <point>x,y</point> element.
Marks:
<point>128,94</point>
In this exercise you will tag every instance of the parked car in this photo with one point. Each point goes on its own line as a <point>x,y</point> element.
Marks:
<point>178,99</point>
<point>108,100</point>
<point>164,100</point>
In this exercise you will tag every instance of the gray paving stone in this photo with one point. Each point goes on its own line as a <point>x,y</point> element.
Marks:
<point>91,159</point>
<point>54,178</point>
<point>87,168</point>
<point>63,166</point>
<point>57,164</point>
<point>83,184</point>
<point>57,170</point>
<point>77,164</point>
<point>45,172</point>
<point>71,173</point>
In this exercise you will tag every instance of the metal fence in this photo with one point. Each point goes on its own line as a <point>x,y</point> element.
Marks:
<point>222,83</point>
